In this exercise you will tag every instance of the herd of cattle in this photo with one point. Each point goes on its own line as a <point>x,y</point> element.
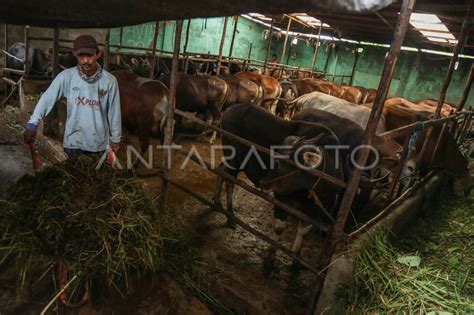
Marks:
<point>306,115</point>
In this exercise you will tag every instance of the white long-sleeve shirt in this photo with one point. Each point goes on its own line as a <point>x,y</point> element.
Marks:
<point>93,110</point>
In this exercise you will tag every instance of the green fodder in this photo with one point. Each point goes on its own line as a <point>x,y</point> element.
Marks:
<point>429,272</point>
<point>101,223</point>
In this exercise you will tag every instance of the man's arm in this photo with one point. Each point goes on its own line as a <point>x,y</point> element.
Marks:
<point>46,102</point>
<point>114,116</point>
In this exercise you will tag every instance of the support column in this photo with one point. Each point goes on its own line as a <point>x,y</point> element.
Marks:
<point>221,47</point>
<point>282,58</point>
<point>236,20</point>
<point>26,61</point>
<point>268,46</point>
<point>168,137</point>
<point>153,50</point>
<point>316,49</point>
<point>106,50</point>
<point>55,52</point>
<point>356,58</point>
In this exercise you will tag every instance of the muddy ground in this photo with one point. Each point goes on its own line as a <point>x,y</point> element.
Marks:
<point>234,254</point>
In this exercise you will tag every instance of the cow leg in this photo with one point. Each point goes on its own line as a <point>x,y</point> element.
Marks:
<point>216,117</point>
<point>300,234</point>
<point>279,226</point>
<point>144,139</point>
<point>230,208</point>
<point>229,193</point>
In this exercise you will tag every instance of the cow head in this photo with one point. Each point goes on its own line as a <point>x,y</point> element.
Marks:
<point>288,94</point>
<point>284,179</point>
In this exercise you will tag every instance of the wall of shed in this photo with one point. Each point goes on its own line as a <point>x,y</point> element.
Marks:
<point>413,80</point>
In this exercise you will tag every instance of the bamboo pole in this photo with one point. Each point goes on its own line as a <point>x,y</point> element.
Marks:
<point>153,50</point>
<point>356,58</point>
<point>268,46</point>
<point>5,33</point>
<point>236,20</point>
<point>316,49</point>
<point>106,50</point>
<point>55,52</point>
<point>221,47</point>
<point>282,59</point>
<point>26,61</point>
<point>168,137</point>
<point>334,241</point>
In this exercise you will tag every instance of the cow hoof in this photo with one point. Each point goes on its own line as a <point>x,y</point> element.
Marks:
<point>231,224</point>
<point>296,265</point>
<point>269,265</point>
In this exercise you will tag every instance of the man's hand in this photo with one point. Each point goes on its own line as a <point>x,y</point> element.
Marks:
<point>114,146</point>
<point>30,133</point>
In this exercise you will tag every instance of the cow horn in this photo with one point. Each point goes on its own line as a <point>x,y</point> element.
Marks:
<point>315,139</point>
<point>380,179</point>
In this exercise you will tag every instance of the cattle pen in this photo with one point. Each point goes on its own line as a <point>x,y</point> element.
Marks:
<point>331,264</point>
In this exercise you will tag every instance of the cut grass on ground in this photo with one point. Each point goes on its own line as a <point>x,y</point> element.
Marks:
<point>430,271</point>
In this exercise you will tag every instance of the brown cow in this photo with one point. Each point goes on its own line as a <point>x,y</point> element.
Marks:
<point>445,109</point>
<point>242,91</point>
<point>200,94</point>
<point>352,94</point>
<point>271,89</point>
<point>448,156</point>
<point>295,88</point>
<point>144,105</point>
<point>371,93</point>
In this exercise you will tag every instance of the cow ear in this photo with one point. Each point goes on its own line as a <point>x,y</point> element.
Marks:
<point>312,159</point>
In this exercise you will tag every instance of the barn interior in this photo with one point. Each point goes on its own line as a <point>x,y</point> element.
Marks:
<point>329,42</point>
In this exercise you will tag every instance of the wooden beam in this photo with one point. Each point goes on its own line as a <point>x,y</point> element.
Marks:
<point>221,47</point>
<point>282,58</point>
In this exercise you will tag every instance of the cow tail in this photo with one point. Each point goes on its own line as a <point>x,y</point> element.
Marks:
<point>259,98</point>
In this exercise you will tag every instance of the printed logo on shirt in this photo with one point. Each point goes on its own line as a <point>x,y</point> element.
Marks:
<point>82,100</point>
<point>102,93</point>
<point>76,89</point>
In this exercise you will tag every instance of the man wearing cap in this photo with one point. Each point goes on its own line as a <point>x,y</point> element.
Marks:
<point>93,123</point>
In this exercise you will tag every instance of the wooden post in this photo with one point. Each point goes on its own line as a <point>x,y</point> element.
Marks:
<point>55,52</point>
<point>236,20</point>
<point>328,56</point>
<point>7,86</point>
<point>153,51</point>
<point>221,47</point>
<point>106,50</point>
<point>164,35</point>
<point>467,89</point>
<point>268,46</point>
<point>334,241</point>
<point>170,116</point>
<point>26,61</point>
<point>356,57</point>
<point>120,37</point>
<point>248,57</point>
<point>316,49</point>
<point>282,59</point>
<point>185,48</point>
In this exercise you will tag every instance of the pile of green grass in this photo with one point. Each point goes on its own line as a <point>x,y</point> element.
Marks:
<point>428,272</point>
<point>103,224</point>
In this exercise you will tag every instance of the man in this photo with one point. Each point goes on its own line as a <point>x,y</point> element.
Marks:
<point>93,123</point>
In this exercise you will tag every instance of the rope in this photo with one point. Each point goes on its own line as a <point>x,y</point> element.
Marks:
<point>414,138</point>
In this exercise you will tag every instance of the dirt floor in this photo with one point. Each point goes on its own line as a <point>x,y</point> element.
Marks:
<point>234,255</point>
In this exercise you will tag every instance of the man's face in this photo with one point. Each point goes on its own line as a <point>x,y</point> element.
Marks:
<point>88,62</point>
